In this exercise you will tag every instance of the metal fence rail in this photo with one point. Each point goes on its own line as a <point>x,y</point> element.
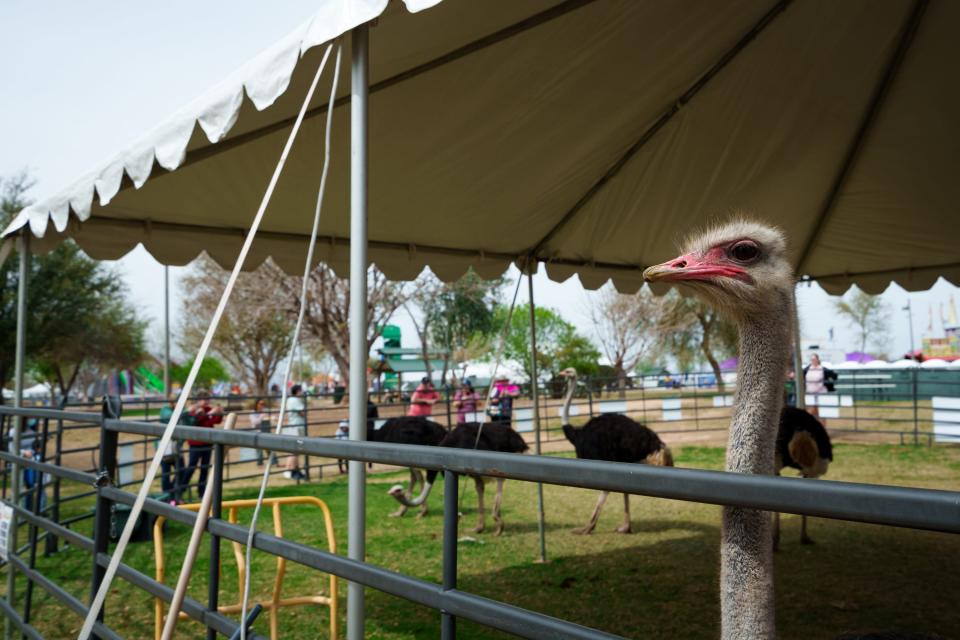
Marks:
<point>897,506</point>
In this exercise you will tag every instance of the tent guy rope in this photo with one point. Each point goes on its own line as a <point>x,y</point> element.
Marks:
<point>94,612</point>
<point>293,345</point>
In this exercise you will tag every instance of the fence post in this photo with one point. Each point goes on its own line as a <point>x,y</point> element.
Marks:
<point>696,404</point>
<point>306,432</point>
<point>216,512</point>
<point>36,502</point>
<point>5,446</point>
<point>446,388</point>
<point>52,541</point>
<point>105,477</point>
<point>589,382</point>
<point>916,422</point>
<point>448,622</point>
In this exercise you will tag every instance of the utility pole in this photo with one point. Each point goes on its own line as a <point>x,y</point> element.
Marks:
<point>910,321</point>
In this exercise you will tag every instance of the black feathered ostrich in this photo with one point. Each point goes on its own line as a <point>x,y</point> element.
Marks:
<point>613,437</point>
<point>409,430</point>
<point>742,269</point>
<point>472,435</point>
<point>802,443</point>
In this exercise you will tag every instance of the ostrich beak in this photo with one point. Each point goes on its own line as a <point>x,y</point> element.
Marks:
<point>693,267</point>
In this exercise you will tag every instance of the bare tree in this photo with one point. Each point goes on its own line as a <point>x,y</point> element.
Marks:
<point>867,314</point>
<point>255,331</point>
<point>326,318</point>
<point>626,326</point>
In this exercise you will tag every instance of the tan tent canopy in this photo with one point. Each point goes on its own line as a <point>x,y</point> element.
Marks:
<point>588,134</point>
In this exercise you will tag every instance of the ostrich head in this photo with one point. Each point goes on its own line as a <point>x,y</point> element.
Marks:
<point>740,267</point>
<point>569,372</point>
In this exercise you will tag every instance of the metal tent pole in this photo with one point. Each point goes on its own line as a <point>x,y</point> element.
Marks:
<point>22,290</point>
<point>535,392</point>
<point>799,383</point>
<point>166,330</point>
<point>356,526</point>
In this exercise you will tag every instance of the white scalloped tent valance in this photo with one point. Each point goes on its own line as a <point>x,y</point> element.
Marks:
<point>589,134</point>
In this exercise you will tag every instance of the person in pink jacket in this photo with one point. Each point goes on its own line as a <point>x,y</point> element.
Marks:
<point>423,398</point>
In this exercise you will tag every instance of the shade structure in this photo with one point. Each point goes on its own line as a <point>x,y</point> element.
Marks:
<point>587,134</point>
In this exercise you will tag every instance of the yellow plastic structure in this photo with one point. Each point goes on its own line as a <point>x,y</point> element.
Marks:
<point>275,601</point>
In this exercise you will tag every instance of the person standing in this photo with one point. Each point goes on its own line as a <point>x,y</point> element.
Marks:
<point>423,398</point>
<point>465,401</point>
<point>204,415</point>
<point>501,402</point>
<point>818,380</point>
<point>296,425</point>
<point>343,433</point>
<point>260,421</point>
<point>171,464</point>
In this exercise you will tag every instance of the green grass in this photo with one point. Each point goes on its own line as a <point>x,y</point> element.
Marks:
<point>660,582</point>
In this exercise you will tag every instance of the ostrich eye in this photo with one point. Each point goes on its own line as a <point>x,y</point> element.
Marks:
<point>744,251</point>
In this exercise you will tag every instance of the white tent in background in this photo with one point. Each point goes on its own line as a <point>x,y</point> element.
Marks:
<point>904,364</point>
<point>934,363</point>
<point>955,363</point>
<point>38,392</point>
<point>848,365</point>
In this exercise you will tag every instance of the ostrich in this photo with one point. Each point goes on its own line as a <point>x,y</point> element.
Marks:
<point>613,437</point>
<point>742,268</point>
<point>472,435</point>
<point>409,430</point>
<point>802,443</point>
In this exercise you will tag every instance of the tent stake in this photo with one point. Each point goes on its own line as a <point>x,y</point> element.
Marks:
<point>535,393</point>
<point>356,525</point>
<point>22,291</point>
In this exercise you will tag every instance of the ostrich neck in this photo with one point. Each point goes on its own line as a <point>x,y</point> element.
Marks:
<point>746,572</point>
<point>764,351</point>
<point>565,411</point>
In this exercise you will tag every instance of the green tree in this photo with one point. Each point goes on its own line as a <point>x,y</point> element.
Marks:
<point>866,313</point>
<point>559,344</point>
<point>692,332</point>
<point>77,314</point>
<point>454,318</point>
<point>211,371</point>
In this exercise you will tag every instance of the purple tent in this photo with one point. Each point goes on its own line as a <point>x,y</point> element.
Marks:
<point>730,364</point>
<point>859,356</point>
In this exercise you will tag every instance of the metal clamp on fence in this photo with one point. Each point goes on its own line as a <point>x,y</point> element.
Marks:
<point>102,479</point>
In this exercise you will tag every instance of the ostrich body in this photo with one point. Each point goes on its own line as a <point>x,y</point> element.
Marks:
<point>803,444</point>
<point>409,430</point>
<point>473,435</point>
<point>742,269</point>
<point>615,438</point>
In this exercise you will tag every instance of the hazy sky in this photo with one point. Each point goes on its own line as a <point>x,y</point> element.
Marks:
<point>82,79</point>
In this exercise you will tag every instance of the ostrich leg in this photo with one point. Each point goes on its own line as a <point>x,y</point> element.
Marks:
<point>804,538</point>
<point>496,508</point>
<point>588,528</point>
<point>625,527</point>
<point>481,521</point>
<point>418,479</point>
